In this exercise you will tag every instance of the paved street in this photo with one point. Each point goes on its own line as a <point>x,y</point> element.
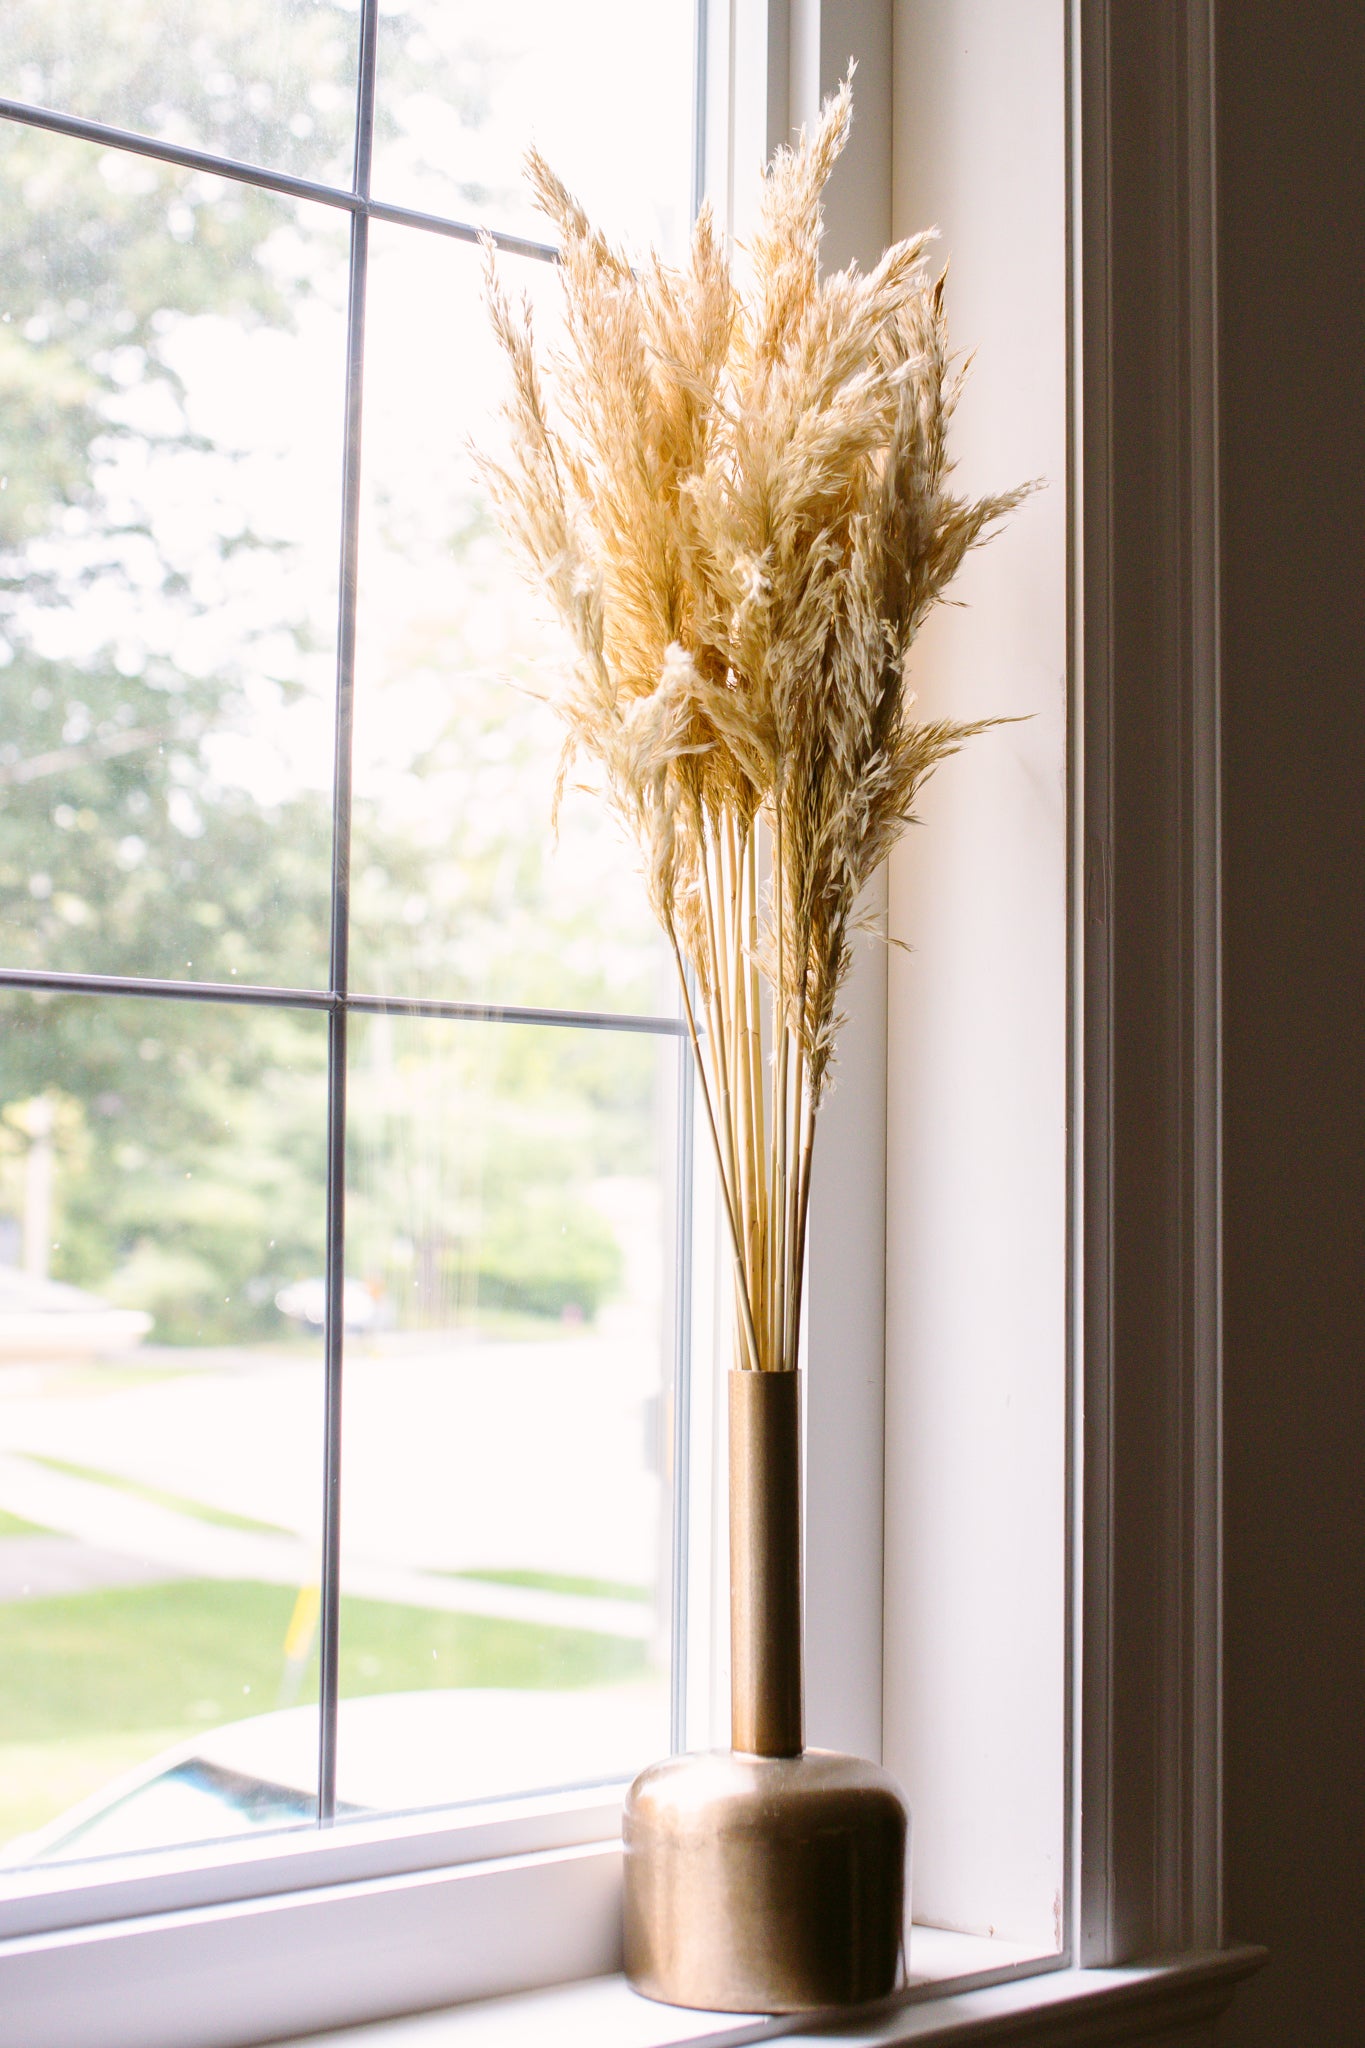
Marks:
<point>42,1567</point>
<point>458,1457</point>
<point>122,1541</point>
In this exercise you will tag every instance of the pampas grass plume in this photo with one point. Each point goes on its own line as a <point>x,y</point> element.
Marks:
<point>739,504</point>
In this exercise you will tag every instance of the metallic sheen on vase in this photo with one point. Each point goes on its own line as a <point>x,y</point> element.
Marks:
<point>766,1878</point>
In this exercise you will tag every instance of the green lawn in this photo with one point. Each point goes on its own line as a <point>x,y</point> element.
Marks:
<point>559,1582</point>
<point>196,1652</point>
<point>92,1683</point>
<point>14,1525</point>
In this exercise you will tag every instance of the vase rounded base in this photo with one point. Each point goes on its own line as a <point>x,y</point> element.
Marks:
<point>764,1884</point>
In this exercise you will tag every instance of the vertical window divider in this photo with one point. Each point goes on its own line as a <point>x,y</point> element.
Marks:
<point>334,1327</point>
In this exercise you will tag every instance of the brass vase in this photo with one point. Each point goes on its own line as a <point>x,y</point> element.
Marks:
<point>767,1877</point>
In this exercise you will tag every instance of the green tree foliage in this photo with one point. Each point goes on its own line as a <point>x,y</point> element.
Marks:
<point>270,82</point>
<point>107,859</point>
<point>189,1135</point>
<point>470,1153</point>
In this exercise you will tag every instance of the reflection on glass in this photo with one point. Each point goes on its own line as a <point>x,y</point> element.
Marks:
<point>602,87</point>
<point>503,1612</point>
<point>459,887</point>
<point>172,355</point>
<point>268,82</point>
<point>161,1238</point>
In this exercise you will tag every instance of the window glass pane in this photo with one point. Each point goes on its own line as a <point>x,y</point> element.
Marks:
<point>172,358</point>
<point>459,887</point>
<point>602,87</point>
<point>269,82</point>
<point>161,1238</point>
<point>510,1226</point>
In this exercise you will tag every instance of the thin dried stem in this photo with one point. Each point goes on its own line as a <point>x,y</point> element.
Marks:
<point>746,1315</point>
<point>738,501</point>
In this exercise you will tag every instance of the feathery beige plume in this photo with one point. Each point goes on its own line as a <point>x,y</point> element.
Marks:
<point>738,503</point>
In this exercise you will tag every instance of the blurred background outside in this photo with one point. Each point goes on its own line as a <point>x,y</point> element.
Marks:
<point>172,407</point>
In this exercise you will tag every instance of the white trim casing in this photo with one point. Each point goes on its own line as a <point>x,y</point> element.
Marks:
<point>46,1898</point>
<point>1145,859</point>
<point>1156,2003</point>
<point>1148,1791</point>
<point>221,1976</point>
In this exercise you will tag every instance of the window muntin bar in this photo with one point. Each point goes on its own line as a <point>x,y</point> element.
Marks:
<point>458,105</point>
<point>334,1320</point>
<point>269,82</point>
<point>505,1596</point>
<point>322,999</point>
<point>336,1000</point>
<point>175,359</point>
<point>338,196</point>
<point>169,1158</point>
<point>457,887</point>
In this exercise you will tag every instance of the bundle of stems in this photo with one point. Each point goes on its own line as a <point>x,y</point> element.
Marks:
<point>737,500</point>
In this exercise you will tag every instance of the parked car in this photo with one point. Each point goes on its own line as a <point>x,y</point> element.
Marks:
<point>396,1752</point>
<point>305,1301</point>
<point>46,1319</point>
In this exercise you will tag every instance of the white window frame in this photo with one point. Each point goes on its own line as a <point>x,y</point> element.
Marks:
<point>293,1935</point>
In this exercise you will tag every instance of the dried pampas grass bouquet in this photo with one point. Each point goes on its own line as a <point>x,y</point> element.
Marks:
<point>737,500</point>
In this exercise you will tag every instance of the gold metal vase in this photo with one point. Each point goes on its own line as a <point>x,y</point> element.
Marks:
<point>767,1877</point>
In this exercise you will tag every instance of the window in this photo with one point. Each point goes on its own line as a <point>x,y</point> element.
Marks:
<point>1142,1811</point>
<point>340,1145</point>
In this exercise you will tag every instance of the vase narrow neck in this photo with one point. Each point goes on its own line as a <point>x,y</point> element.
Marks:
<point>766,1713</point>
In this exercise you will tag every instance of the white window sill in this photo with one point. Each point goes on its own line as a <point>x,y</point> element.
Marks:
<point>328,1964</point>
<point>1062,2006</point>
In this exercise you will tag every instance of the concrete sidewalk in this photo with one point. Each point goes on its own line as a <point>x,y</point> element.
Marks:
<point>157,1542</point>
<point>46,1567</point>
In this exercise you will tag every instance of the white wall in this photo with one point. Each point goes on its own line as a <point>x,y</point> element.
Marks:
<point>976,1222</point>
